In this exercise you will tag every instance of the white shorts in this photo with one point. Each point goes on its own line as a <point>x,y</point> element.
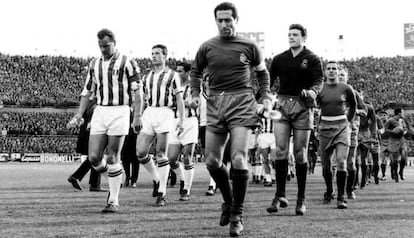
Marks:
<point>188,136</point>
<point>266,140</point>
<point>111,120</point>
<point>157,120</point>
<point>252,141</point>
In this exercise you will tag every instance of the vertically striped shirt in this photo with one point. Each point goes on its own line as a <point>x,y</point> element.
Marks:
<point>161,88</point>
<point>112,80</point>
<point>189,112</point>
<point>267,125</point>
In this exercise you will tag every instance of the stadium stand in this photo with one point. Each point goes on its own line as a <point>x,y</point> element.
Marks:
<point>56,81</point>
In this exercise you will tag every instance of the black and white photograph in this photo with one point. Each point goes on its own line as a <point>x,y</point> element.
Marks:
<point>207,118</point>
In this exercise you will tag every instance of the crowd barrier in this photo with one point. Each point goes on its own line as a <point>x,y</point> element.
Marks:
<point>40,157</point>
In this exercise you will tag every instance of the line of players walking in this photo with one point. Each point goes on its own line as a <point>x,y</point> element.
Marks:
<point>165,108</point>
<point>375,140</point>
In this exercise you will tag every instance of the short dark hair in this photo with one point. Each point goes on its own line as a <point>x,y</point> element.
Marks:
<point>397,111</point>
<point>186,66</point>
<point>106,32</point>
<point>226,6</point>
<point>162,47</point>
<point>332,62</point>
<point>299,27</point>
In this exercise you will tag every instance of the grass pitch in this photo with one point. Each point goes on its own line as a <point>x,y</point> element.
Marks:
<point>37,201</point>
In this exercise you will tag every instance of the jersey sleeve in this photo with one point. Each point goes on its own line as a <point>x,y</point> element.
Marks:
<point>257,55</point>
<point>133,74</point>
<point>176,84</point>
<point>199,63</point>
<point>317,75</point>
<point>90,81</point>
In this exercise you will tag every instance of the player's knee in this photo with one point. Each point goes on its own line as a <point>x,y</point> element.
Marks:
<point>281,153</point>
<point>113,158</point>
<point>188,160</point>
<point>341,165</point>
<point>174,163</point>
<point>143,158</point>
<point>301,157</point>
<point>212,163</point>
<point>350,166</point>
<point>94,158</point>
<point>141,154</point>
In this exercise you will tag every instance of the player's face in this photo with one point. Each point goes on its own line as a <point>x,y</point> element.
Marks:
<point>180,70</point>
<point>157,56</point>
<point>331,71</point>
<point>342,76</point>
<point>296,39</point>
<point>226,24</point>
<point>107,47</point>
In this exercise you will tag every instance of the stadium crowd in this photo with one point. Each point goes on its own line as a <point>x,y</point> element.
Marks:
<point>56,81</point>
<point>47,80</point>
<point>36,123</point>
<point>37,144</point>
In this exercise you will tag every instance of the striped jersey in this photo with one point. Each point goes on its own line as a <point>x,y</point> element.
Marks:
<point>160,88</point>
<point>267,125</point>
<point>188,111</point>
<point>112,80</point>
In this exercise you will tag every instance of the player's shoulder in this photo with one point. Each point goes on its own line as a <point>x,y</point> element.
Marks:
<point>170,72</point>
<point>212,41</point>
<point>346,86</point>
<point>282,55</point>
<point>244,40</point>
<point>310,54</point>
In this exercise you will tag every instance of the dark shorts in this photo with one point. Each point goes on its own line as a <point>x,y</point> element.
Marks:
<point>295,112</point>
<point>384,146</point>
<point>394,145</point>
<point>364,138</point>
<point>332,133</point>
<point>366,142</point>
<point>228,110</point>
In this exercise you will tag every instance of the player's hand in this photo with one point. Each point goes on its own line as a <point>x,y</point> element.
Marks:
<point>180,127</point>
<point>75,122</point>
<point>276,104</point>
<point>137,124</point>
<point>308,94</point>
<point>195,102</point>
<point>260,108</point>
<point>309,97</point>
